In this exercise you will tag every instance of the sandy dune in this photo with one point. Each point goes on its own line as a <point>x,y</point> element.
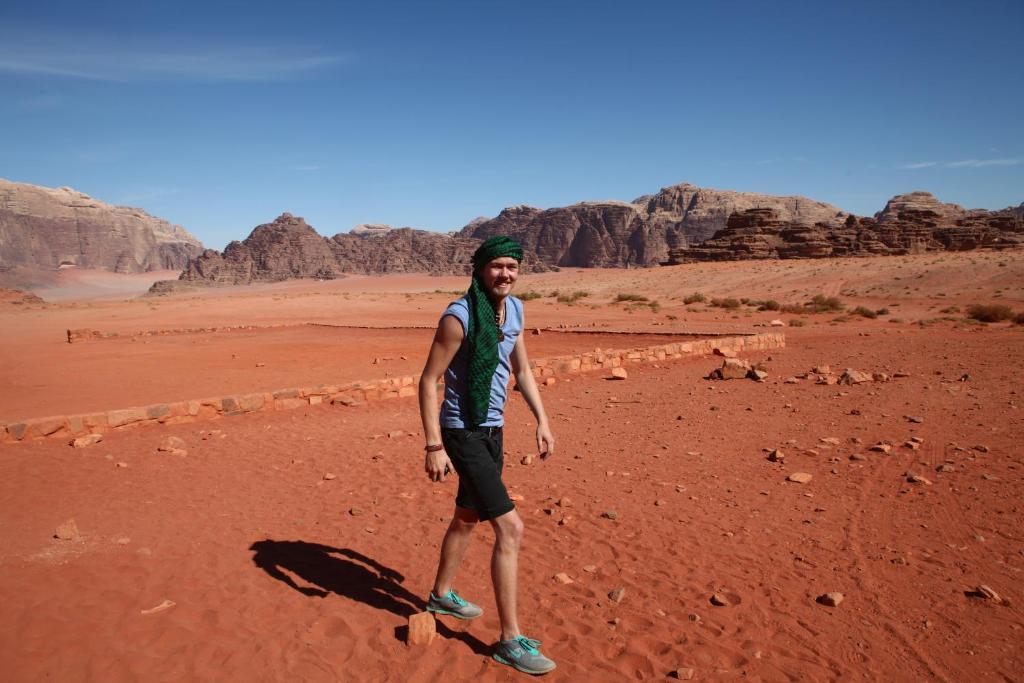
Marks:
<point>278,573</point>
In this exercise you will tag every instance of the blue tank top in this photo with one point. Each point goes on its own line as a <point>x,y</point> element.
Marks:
<point>456,388</point>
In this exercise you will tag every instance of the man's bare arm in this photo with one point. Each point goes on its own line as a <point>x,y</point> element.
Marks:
<point>447,341</point>
<point>528,387</point>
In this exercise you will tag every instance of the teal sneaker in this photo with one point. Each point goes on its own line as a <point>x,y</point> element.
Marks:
<point>521,653</point>
<point>453,605</point>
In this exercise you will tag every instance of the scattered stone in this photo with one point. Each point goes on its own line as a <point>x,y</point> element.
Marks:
<point>616,595</point>
<point>799,477</point>
<point>396,434</point>
<point>719,600</point>
<point>422,628</point>
<point>659,502</point>
<point>563,578</point>
<point>791,380</point>
<point>981,448</point>
<point>917,439</point>
<point>527,460</point>
<point>777,323</point>
<point>725,353</point>
<point>610,514</point>
<point>328,476</point>
<point>124,540</point>
<point>830,599</point>
<point>775,455</point>
<point>564,502</point>
<point>516,497</point>
<point>983,591</point>
<point>121,464</point>
<point>912,445</point>
<point>830,441</point>
<point>171,444</point>
<point>619,373</point>
<point>851,376</point>
<point>354,511</point>
<point>590,568</point>
<point>913,418</point>
<point>683,674</point>
<point>881,448</point>
<point>822,369</point>
<point>918,479</point>
<point>857,457</point>
<point>945,467</point>
<point>68,531</point>
<point>757,375</point>
<point>163,606</point>
<point>87,440</point>
<point>549,381</point>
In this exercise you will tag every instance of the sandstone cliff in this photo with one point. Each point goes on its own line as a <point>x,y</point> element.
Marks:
<point>910,223</point>
<point>42,227</point>
<point>641,232</point>
<point>290,248</point>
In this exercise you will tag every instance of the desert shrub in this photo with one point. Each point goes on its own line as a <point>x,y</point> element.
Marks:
<point>950,309</point>
<point>1019,318</point>
<point>655,306</point>
<point>673,317</point>
<point>882,311</point>
<point>792,308</point>
<point>554,294</point>
<point>530,295</point>
<point>864,312</point>
<point>796,322</point>
<point>572,298</point>
<point>769,305</point>
<point>695,298</point>
<point>726,303</point>
<point>895,320</point>
<point>746,300</point>
<point>820,303</point>
<point>627,296</point>
<point>989,313</point>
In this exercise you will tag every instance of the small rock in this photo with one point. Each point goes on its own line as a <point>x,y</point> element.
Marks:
<point>777,323</point>
<point>918,479</point>
<point>912,445</point>
<point>857,456</point>
<point>683,674</point>
<point>987,593</point>
<point>590,568</point>
<point>610,514</point>
<point>121,464</point>
<point>516,497</point>
<point>422,628</point>
<point>396,434</point>
<point>564,502</point>
<point>659,502</point>
<point>619,373</point>
<point>124,540</point>
<point>830,440</point>
<point>68,531</point>
<point>881,448</point>
<point>616,595</point>
<point>913,418</point>
<point>981,448</point>
<point>799,477</point>
<point>165,605</point>
<point>527,460</point>
<point>354,511</point>
<point>563,578</point>
<point>945,467</point>
<point>171,444</point>
<point>87,440</point>
<point>719,600</point>
<point>775,455</point>
<point>830,599</point>
<point>328,476</point>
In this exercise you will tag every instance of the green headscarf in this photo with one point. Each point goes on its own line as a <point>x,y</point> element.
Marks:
<point>482,335</point>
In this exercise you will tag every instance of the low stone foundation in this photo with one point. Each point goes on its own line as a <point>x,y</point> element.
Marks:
<point>357,393</point>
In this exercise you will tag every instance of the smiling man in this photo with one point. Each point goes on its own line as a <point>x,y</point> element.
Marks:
<point>477,347</point>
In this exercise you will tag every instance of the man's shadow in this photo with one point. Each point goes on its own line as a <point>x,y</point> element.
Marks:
<point>350,574</point>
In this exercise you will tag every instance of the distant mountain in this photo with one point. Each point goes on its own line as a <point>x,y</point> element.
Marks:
<point>641,232</point>
<point>289,248</point>
<point>41,227</point>
<point>910,223</point>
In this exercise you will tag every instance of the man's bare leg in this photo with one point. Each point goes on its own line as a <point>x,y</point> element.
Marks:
<point>508,534</point>
<point>453,547</point>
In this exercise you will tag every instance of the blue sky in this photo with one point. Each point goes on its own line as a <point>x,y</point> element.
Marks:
<point>221,115</point>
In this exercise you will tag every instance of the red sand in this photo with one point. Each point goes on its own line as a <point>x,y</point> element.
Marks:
<point>274,579</point>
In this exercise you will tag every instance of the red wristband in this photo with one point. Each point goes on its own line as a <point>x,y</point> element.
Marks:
<point>432,448</point>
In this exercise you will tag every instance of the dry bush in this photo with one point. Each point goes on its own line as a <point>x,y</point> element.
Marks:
<point>627,296</point>
<point>989,313</point>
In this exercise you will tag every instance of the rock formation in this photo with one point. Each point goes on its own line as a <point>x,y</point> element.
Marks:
<point>910,223</point>
<point>46,228</point>
<point>290,248</point>
<point>641,232</point>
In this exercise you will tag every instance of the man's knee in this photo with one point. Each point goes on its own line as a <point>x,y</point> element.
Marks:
<point>508,530</point>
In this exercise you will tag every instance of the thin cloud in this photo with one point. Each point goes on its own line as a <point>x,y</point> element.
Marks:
<point>963,163</point>
<point>101,59</point>
<point>305,167</point>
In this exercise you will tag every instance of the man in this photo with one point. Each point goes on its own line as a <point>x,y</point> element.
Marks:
<point>477,344</point>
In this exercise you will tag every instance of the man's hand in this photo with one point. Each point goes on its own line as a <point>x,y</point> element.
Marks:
<point>437,465</point>
<point>545,441</point>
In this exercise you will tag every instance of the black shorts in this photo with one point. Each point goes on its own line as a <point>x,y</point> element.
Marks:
<point>478,458</point>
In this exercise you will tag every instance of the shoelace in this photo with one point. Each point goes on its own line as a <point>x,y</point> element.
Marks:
<point>456,599</point>
<point>529,644</point>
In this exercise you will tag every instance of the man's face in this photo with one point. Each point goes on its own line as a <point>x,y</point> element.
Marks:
<point>499,275</point>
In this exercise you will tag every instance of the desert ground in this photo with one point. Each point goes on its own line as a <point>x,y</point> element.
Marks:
<point>295,544</point>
